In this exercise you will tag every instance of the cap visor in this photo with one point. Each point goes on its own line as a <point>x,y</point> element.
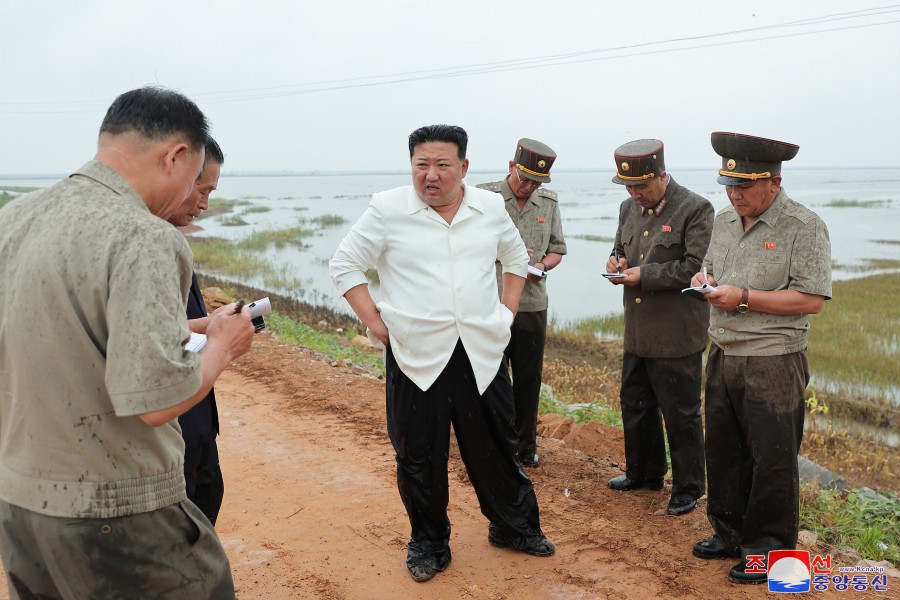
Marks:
<point>724,180</point>
<point>534,177</point>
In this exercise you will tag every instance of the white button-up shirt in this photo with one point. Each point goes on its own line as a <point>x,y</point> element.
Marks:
<point>438,279</point>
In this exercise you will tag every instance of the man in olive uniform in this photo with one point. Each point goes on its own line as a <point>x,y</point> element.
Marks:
<point>770,262</point>
<point>663,234</point>
<point>535,212</point>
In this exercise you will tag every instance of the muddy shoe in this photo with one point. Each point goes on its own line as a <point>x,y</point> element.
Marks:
<point>424,562</point>
<point>422,568</point>
<point>536,546</point>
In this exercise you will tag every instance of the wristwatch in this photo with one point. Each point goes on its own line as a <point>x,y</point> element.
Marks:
<point>744,306</point>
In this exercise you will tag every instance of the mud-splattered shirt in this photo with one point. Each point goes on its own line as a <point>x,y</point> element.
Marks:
<point>92,327</point>
<point>788,248</point>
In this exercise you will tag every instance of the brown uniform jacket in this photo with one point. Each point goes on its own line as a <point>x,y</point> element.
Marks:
<point>669,247</point>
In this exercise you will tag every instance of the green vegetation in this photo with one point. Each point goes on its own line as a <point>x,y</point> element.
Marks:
<point>232,220</point>
<point>372,275</point>
<point>221,206</point>
<point>864,520</point>
<point>855,345</point>
<point>326,220</point>
<point>240,259</point>
<point>256,208</point>
<point>260,240</point>
<point>845,203</point>
<point>889,242</point>
<point>18,189</point>
<point>611,325</point>
<point>324,343</point>
<point>581,413</point>
<point>222,256</point>
<point>11,192</point>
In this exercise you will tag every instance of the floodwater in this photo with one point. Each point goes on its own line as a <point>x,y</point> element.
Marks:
<point>859,206</point>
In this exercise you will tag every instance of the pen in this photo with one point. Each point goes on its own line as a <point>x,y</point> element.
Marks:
<point>240,305</point>
<point>704,274</point>
<point>618,266</point>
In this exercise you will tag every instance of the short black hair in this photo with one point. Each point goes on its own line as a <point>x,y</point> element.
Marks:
<point>213,151</point>
<point>440,133</point>
<point>156,113</point>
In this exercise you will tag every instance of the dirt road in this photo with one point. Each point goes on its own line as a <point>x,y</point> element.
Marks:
<point>311,509</point>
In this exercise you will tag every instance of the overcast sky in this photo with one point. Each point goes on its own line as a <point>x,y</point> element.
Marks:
<point>830,82</point>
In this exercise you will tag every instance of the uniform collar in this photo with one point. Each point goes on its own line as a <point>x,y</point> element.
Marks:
<point>508,194</point>
<point>662,204</point>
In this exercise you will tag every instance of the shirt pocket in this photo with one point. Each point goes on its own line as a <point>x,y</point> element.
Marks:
<point>718,254</point>
<point>768,270</point>
<point>666,247</point>
<point>629,247</point>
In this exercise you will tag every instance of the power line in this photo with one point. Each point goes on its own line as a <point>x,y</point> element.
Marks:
<point>545,61</point>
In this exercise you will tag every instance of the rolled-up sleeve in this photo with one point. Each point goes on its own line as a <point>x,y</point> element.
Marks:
<point>557,243</point>
<point>359,250</point>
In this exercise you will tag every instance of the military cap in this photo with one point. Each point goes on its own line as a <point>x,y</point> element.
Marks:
<point>533,159</point>
<point>746,158</point>
<point>640,161</point>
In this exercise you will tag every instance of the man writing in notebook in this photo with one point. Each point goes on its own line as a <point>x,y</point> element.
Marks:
<point>663,234</point>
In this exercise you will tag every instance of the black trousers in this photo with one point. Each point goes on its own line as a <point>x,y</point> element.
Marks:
<point>657,389</point>
<point>203,478</point>
<point>525,353</point>
<point>419,427</point>
<point>754,427</point>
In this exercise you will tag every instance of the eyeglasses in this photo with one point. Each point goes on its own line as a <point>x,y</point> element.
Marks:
<point>526,182</point>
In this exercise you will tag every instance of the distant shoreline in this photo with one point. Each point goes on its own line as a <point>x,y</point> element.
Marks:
<point>323,173</point>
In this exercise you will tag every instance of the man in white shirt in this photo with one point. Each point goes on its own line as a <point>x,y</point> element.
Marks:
<point>435,245</point>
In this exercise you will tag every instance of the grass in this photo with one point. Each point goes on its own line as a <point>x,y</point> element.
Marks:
<point>326,220</point>
<point>260,240</point>
<point>581,413</point>
<point>11,192</point>
<point>223,256</point>
<point>845,203</point>
<point>855,340</point>
<point>889,242</point>
<point>605,326</point>
<point>256,208</point>
<point>331,345</point>
<point>863,520</point>
<point>232,220</point>
<point>19,189</point>
<point>221,206</point>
